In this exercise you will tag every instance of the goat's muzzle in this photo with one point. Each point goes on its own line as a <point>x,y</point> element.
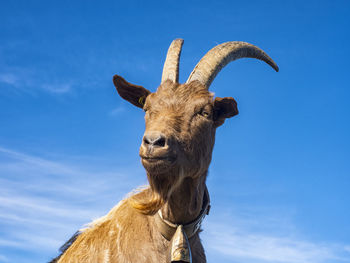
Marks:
<point>153,140</point>
<point>156,152</point>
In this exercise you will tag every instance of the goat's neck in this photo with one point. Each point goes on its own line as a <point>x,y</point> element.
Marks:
<point>185,202</point>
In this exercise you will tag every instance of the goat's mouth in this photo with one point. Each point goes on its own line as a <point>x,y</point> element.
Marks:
<point>157,164</point>
<point>155,159</point>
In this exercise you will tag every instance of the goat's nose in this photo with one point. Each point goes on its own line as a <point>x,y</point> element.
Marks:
<point>155,139</point>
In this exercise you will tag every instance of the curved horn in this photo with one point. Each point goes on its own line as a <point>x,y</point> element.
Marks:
<point>218,57</point>
<point>171,64</point>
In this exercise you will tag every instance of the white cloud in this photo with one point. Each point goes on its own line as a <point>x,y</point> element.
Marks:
<point>27,241</point>
<point>9,243</point>
<point>57,88</point>
<point>43,202</point>
<point>116,111</point>
<point>3,258</point>
<point>240,244</point>
<point>8,78</point>
<point>30,81</point>
<point>40,206</point>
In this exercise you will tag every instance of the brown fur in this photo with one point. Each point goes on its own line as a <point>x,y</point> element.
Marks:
<point>187,116</point>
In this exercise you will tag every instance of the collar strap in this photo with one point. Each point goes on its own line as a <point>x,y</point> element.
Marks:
<point>168,229</point>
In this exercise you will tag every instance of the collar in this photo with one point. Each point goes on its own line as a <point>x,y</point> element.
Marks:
<point>168,229</point>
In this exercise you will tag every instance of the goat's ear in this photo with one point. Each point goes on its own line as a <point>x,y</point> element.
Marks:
<point>224,108</point>
<point>132,93</point>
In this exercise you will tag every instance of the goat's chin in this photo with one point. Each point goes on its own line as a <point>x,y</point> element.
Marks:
<point>158,167</point>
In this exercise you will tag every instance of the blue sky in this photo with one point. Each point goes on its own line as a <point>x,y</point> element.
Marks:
<point>279,180</point>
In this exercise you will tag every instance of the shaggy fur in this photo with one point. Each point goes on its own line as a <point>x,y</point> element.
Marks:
<point>187,116</point>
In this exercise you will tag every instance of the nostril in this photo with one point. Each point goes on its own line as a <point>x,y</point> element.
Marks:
<point>154,139</point>
<point>160,141</point>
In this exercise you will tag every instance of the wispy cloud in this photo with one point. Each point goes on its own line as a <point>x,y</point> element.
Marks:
<point>8,78</point>
<point>238,243</point>
<point>3,258</point>
<point>43,201</point>
<point>116,111</point>
<point>347,248</point>
<point>59,89</point>
<point>31,81</point>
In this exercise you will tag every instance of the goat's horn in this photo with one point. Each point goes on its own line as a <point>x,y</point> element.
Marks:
<point>218,57</point>
<point>171,64</point>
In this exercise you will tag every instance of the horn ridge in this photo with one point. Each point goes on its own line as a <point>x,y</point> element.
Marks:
<point>218,57</point>
<point>171,64</point>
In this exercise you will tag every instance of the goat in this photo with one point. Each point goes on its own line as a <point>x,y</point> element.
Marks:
<point>161,222</point>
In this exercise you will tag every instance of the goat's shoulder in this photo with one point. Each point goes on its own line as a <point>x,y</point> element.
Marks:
<point>107,235</point>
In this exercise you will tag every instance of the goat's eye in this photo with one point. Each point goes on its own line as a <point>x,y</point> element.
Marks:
<point>205,112</point>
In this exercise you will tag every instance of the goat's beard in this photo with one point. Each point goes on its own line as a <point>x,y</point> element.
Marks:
<point>161,187</point>
<point>163,182</point>
<point>147,205</point>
